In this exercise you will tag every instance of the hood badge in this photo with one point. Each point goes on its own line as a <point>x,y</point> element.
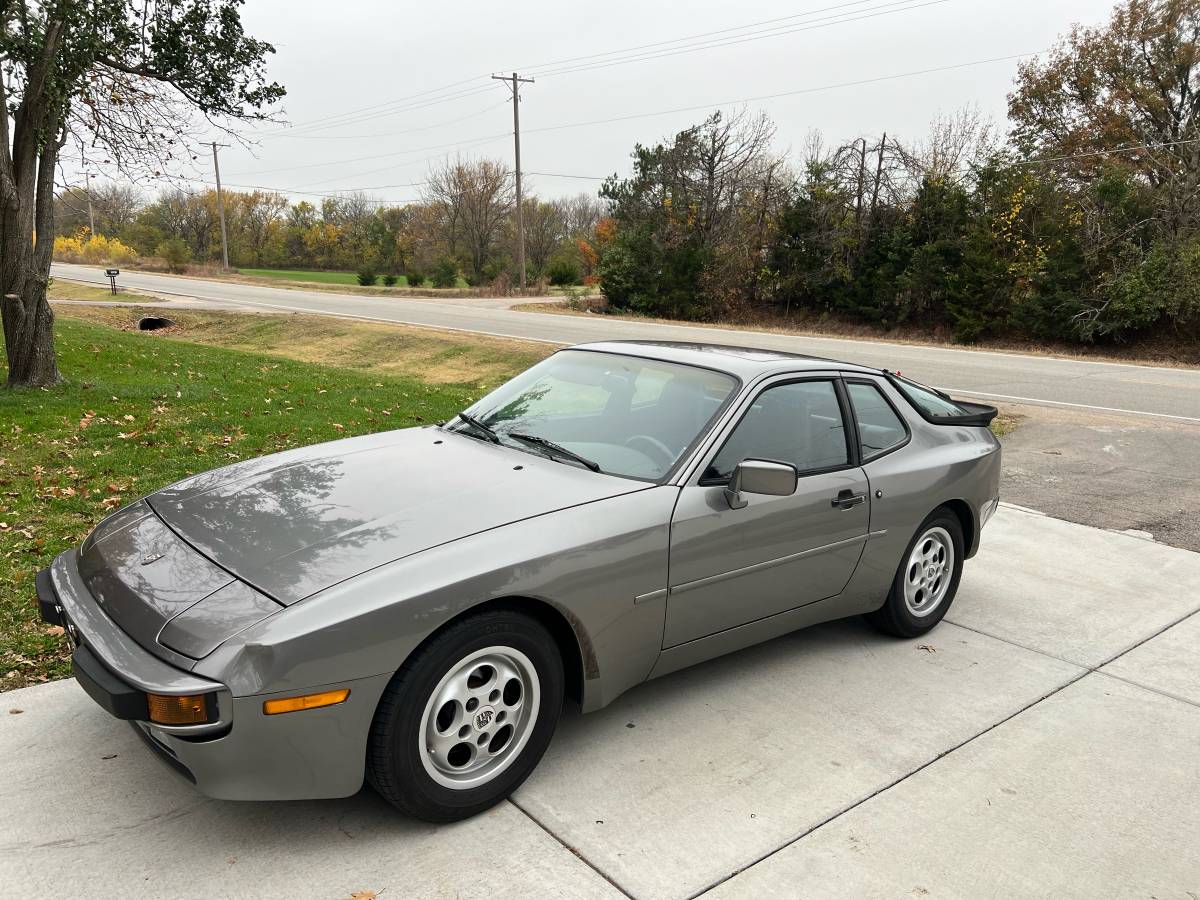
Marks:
<point>151,559</point>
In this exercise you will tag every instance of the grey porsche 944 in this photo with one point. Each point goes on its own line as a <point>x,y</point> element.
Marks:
<point>414,607</point>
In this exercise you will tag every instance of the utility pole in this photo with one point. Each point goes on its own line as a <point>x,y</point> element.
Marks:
<point>91,213</point>
<point>221,206</point>
<point>515,88</point>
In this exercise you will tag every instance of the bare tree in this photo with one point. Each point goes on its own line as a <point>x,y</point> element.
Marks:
<point>954,145</point>
<point>113,205</point>
<point>474,199</point>
<point>545,230</point>
<point>579,214</point>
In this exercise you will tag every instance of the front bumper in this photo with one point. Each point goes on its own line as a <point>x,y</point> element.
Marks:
<point>242,754</point>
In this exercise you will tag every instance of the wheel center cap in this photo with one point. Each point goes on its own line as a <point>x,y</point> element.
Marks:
<point>484,717</point>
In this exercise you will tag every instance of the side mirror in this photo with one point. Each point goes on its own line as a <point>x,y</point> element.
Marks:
<point>757,476</point>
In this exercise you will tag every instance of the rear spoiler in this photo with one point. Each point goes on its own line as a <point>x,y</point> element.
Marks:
<point>974,414</point>
<point>977,414</point>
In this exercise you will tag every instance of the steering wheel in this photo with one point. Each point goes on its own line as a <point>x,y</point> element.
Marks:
<point>659,451</point>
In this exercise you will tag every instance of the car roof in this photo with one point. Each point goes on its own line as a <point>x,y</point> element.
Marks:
<point>744,362</point>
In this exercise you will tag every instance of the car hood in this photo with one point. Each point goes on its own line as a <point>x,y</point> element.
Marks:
<point>295,523</point>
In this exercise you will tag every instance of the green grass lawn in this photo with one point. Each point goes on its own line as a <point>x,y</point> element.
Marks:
<point>319,277</point>
<point>322,277</point>
<point>73,290</point>
<point>139,411</point>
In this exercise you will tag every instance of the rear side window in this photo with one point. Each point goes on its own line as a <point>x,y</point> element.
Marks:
<point>879,428</point>
<point>928,400</point>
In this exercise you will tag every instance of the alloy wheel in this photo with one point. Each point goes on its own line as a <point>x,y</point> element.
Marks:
<point>929,571</point>
<point>479,717</point>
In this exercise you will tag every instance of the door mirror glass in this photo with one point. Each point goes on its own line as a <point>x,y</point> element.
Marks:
<point>758,476</point>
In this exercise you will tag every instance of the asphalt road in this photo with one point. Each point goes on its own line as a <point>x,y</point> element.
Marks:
<point>1163,393</point>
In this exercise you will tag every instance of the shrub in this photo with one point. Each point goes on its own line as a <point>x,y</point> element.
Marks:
<point>95,249</point>
<point>176,253</point>
<point>445,273</point>
<point>414,278</point>
<point>389,279</point>
<point>367,276</point>
<point>563,271</point>
<point>501,285</point>
<point>68,249</point>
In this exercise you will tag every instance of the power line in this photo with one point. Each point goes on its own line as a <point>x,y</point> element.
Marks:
<point>644,57</point>
<point>339,162</point>
<point>781,94</point>
<point>398,100</point>
<point>592,56</point>
<point>415,162</point>
<point>346,137</point>
<point>1089,153</point>
<point>480,141</point>
<point>559,175</point>
<point>588,62</point>
<point>341,122</point>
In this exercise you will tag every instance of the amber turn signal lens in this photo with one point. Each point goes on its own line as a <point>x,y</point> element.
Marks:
<point>185,709</point>
<point>308,701</point>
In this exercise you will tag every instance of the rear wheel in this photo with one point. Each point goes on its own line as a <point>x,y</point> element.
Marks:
<point>927,580</point>
<point>466,720</point>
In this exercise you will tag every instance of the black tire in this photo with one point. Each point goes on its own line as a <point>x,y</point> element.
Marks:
<point>394,765</point>
<point>894,617</point>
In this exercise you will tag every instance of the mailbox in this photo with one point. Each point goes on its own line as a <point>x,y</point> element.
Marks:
<point>112,273</point>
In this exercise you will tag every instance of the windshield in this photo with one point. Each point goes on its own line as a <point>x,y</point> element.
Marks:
<point>618,414</point>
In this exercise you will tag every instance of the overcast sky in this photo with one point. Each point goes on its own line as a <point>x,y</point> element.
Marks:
<point>335,59</point>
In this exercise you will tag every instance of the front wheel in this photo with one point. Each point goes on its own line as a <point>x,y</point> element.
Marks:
<point>927,579</point>
<point>467,718</point>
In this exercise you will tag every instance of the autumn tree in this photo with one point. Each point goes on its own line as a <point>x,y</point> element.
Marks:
<point>687,241</point>
<point>1126,94</point>
<point>122,81</point>
<point>473,198</point>
<point>1113,113</point>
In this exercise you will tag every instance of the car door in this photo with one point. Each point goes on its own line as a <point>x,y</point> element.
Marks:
<point>733,566</point>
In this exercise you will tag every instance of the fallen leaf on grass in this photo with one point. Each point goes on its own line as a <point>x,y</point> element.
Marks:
<point>56,630</point>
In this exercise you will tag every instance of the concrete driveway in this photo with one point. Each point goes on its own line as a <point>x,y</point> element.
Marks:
<point>1043,741</point>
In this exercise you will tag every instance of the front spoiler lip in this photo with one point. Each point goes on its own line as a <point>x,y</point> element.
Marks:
<point>63,594</point>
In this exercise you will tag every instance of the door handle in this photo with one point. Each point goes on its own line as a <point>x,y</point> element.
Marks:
<point>846,499</point>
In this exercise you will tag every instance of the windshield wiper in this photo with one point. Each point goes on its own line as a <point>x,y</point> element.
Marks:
<point>555,448</point>
<point>484,428</point>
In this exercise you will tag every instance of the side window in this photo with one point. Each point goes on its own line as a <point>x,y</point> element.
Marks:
<point>798,423</point>
<point>879,428</point>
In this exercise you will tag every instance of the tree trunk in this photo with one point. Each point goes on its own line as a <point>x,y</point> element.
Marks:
<point>27,225</point>
<point>30,341</point>
<point>24,275</point>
